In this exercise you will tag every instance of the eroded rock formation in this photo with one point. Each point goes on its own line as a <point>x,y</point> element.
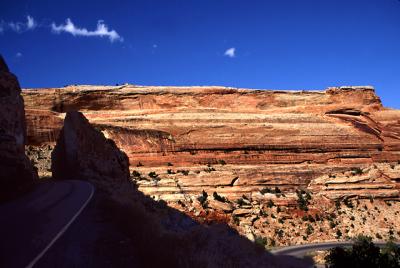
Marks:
<point>82,152</point>
<point>256,138</point>
<point>16,171</point>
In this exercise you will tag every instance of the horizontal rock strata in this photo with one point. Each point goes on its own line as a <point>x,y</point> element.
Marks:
<point>337,143</point>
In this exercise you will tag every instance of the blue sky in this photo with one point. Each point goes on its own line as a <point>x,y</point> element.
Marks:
<point>280,44</point>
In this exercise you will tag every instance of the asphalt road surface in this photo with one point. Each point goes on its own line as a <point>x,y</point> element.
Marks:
<point>31,224</point>
<point>302,250</point>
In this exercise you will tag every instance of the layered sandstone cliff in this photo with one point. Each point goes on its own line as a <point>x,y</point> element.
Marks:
<point>16,171</point>
<point>237,141</point>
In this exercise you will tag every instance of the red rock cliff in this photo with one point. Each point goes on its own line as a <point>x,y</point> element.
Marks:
<point>338,142</point>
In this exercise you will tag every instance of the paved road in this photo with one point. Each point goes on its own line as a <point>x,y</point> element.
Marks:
<point>30,224</point>
<point>302,250</point>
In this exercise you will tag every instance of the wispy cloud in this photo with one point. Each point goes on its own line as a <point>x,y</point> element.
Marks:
<point>18,55</point>
<point>101,30</point>
<point>31,23</point>
<point>18,26</point>
<point>230,52</point>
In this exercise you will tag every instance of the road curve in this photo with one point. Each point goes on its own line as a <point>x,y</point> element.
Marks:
<point>301,250</point>
<point>30,224</point>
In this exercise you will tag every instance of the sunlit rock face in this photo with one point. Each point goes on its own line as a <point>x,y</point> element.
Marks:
<point>83,153</point>
<point>336,143</point>
<point>16,171</point>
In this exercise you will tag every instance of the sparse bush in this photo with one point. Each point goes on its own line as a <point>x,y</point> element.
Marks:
<point>338,233</point>
<point>279,233</point>
<point>261,241</point>
<point>356,171</point>
<point>270,203</point>
<point>203,199</point>
<point>184,172</point>
<point>309,229</point>
<point>136,174</point>
<point>154,176</point>
<point>348,203</point>
<point>303,199</point>
<point>240,202</point>
<point>169,164</point>
<point>221,162</point>
<point>219,198</point>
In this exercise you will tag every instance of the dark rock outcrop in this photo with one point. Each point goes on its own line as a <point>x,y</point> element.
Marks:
<point>16,171</point>
<point>82,152</point>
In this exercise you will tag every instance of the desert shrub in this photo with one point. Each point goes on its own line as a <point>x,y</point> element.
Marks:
<point>338,233</point>
<point>303,199</point>
<point>356,171</point>
<point>203,198</point>
<point>240,202</point>
<point>279,233</point>
<point>260,241</point>
<point>270,203</point>
<point>348,203</point>
<point>184,172</point>
<point>221,162</point>
<point>219,198</point>
<point>209,169</point>
<point>153,175</point>
<point>364,253</point>
<point>136,174</point>
<point>169,164</point>
<point>265,190</point>
<point>309,229</point>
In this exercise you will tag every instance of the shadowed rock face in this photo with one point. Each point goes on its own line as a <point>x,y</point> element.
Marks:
<point>16,171</point>
<point>82,152</point>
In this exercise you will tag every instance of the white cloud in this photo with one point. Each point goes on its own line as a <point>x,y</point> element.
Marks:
<point>31,23</point>
<point>18,55</point>
<point>101,30</point>
<point>21,27</point>
<point>155,46</point>
<point>230,52</point>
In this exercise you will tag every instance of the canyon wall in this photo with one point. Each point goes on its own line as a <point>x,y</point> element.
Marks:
<point>17,174</point>
<point>336,143</point>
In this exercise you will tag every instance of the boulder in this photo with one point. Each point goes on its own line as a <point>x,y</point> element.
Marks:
<point>17,172</point>
<point>82,152</point>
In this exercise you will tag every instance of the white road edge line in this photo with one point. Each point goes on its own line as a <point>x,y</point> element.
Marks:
<point>61,232</point>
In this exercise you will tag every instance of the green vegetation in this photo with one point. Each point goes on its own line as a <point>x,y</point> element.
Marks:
<point>365,254</point>
<point>209,169</point>
<point>266,190</point>
<point>154,176</point>
<point>184,172</point>
<point>261,241</point>
<point>219,198</point>
<point>203,199</point>
<point>309,229</point>
<point>221,162</point>
<point>136,174</point>
<point>270,203</point>
<point>338,233</point>
<point>356,171</point>
<point>348,203</point>
<point>303,199</point>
